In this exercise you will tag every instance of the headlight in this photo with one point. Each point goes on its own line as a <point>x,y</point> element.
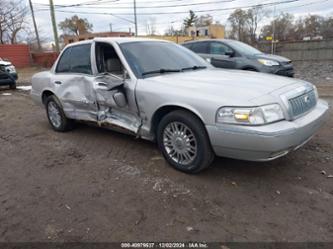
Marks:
<point>10,69</point>
<point>268,62</point>
<point>250,115</point>
<point>315,91</point>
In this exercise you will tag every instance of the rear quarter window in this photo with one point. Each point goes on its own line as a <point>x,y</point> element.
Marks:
<point>64,62</point>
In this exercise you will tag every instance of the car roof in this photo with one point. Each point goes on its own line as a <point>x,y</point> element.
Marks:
<point>206,40</point>
<point>116,39</point>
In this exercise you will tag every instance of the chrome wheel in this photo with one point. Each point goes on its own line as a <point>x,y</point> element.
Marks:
<point>54,114</point>
<point>180,143</point>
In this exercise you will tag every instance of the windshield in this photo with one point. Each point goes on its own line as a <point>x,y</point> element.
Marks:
<point>149,58</point>
<point>243,48</point>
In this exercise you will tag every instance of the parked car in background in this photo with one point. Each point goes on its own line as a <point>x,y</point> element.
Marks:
<point>8,75</point>
<point>234,54</point>
<point>160,91</point>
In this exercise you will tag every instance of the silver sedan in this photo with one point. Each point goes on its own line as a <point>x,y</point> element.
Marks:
<point>162,92</point>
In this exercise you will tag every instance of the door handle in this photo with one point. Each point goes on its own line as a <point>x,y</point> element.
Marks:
<point>102,84</point>
<point>58,82</point>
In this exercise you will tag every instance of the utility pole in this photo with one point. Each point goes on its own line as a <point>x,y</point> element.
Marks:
<point>54,24</point>
<point>110,27</point>
<point>135,19</point>
<point>273,31</point>
<point>35,25</point>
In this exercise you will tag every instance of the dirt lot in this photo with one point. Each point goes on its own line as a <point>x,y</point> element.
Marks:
<point>97,185</point>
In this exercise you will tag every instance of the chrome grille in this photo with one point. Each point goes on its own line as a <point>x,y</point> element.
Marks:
<point>303,103</point>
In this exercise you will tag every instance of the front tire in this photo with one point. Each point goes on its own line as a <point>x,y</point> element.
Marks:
<point>184,142</point>
<point>12,86</point>
<point>56,115</point>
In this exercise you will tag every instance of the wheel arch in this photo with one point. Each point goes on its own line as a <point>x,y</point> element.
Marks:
<point>45,94</point>
<point>250,68</point>
<point>164,110</point>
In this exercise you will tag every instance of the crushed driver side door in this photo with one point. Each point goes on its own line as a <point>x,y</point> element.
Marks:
<point>113,105</point>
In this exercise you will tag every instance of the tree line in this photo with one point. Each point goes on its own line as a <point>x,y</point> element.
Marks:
<point>244,26</point>
<point>247,26</point>
<point>12,20</point>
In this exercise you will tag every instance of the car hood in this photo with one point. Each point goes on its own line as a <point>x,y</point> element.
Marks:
<point>272,57</point>
<point>231,84</point>
<point>5,63</point>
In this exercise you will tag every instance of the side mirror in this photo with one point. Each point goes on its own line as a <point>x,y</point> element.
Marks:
<point>230,53</point>
<point>120,99</point>
<point>125,74</point>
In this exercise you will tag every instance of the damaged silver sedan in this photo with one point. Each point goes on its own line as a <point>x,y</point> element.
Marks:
<point>160,91</point>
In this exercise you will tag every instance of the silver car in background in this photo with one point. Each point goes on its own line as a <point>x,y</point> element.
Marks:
<point>163,92</point>
<point>232,54</point>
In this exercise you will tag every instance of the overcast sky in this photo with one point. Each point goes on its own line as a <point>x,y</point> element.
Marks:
<point>98,12</point>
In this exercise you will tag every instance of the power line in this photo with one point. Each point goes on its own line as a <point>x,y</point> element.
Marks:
<point>117,2</point>
<point>184,12</point>
<point>77,4</point>
<point>302,5</point>
<point>149,7</point>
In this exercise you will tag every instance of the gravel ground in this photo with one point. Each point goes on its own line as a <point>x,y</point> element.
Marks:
<point>96,185</point>
<point>317,72</point>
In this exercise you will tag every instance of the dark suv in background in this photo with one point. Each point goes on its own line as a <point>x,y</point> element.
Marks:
<point>234,54</point>
<point>8,75</point>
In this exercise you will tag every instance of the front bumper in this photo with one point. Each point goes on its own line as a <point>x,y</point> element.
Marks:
<point>282,70</point>
<point>267,142</point>
<point>6,79</point>
<point>289,72</point>
<point>14,75</point>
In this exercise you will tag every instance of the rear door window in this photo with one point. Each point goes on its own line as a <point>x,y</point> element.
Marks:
<point>218,48</point>
<point>189,45</point>
<point>75,60</point>
<point>80,59</point>
<point>200,47</point>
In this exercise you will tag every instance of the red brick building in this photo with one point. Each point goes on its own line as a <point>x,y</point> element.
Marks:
<point>18,54</point>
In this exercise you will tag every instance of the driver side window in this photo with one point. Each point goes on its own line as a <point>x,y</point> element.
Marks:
<point>219,48</point>
<point>108,60</point>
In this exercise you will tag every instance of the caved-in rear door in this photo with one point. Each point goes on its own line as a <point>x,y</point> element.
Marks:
<point>77,95</point>
<point>73,83</point>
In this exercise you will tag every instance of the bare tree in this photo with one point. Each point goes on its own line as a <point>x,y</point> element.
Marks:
<point>4,11</point>
<point>191,20</point>
<point>75,26</point>
<point>151,26</point>
<point>254,16</point>
<point>204,20</point>
<point>284,28</point>
<point>238,21</point>
<point>12,20</point>
<point>30,38</point>
<point>326,29</point>
<point>15,21</point>
<point>244,24</point>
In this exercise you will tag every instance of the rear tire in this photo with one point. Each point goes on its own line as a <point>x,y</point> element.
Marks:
<point>184,142</point>
<point>56,115</point>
